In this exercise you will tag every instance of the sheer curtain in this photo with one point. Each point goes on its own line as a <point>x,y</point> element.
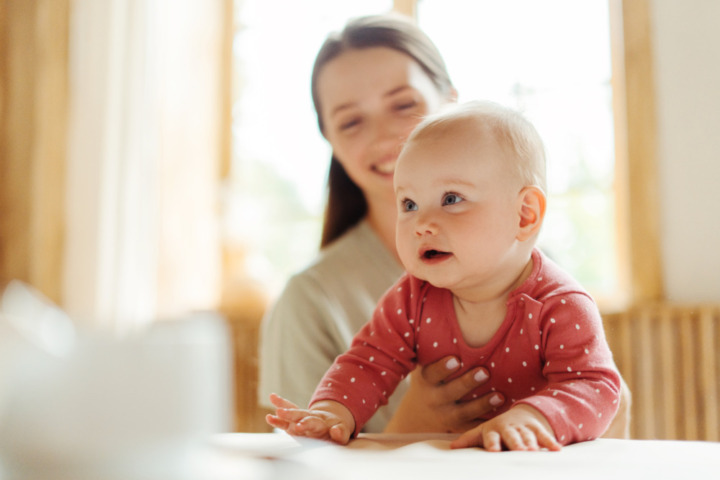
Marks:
<point>143,161</point>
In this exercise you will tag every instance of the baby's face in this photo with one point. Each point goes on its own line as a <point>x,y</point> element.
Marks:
<point>458,209</point>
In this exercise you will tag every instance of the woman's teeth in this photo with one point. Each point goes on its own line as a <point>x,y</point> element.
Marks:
<point>385,168</point>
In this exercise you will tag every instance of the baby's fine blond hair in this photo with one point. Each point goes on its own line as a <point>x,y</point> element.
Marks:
<point>511,130</point>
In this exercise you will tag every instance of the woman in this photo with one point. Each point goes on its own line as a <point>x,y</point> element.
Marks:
<point>371,85</point>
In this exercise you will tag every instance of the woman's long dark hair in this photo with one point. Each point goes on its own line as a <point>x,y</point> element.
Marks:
<point>346,203</point>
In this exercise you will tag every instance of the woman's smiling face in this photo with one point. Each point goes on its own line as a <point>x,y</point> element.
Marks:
<point>370,101</point>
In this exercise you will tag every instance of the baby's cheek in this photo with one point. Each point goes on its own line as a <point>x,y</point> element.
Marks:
<point>406,257</point>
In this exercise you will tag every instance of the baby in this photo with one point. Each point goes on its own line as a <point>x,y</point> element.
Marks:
<point>470,186</point>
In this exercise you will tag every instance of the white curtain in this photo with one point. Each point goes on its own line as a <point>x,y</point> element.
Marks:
<point>142,239</point>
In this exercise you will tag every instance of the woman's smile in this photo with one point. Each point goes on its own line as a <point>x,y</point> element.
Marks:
<point>386,167</point>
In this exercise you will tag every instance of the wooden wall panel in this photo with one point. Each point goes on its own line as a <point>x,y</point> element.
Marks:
<point>669,356</point>
<point>33,114</point>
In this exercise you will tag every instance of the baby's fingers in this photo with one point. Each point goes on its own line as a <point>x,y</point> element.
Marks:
<point>276,422</point>
<point>280,402</point>
<point>313,427</point>
<point>546,440</point>
<point>292,415</point>
<point>491,441</point>
<point>528,440</point>
<point>306,426</point>
<point>340,434</point>
<point>471,438</point>
<point>513,439</point>
<point>316,427</point>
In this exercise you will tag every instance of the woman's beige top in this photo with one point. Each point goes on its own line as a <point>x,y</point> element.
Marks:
<point>318,313</point>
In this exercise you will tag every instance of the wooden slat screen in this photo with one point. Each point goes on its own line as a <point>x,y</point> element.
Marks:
<point>670,357</point>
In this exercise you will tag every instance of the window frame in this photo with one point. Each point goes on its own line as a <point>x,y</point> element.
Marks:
<point>637,190</point>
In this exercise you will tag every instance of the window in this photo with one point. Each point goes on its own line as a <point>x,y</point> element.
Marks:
<point>549,59</point>
<point>274,197</point>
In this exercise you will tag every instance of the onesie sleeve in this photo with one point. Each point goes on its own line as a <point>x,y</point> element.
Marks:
<point>583,388</point>
<point>380,356</point>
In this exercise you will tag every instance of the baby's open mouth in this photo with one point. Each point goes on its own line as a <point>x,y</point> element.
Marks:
<point>433,254</point>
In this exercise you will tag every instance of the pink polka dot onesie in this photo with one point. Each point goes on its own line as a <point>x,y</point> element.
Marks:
<point>550,352</point>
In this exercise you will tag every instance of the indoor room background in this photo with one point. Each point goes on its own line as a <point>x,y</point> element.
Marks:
<point>141,142</point>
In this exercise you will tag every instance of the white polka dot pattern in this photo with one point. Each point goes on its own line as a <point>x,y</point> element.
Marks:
<point>550,350</point>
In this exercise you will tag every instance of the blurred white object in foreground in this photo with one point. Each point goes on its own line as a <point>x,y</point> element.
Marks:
<point>76,402</point>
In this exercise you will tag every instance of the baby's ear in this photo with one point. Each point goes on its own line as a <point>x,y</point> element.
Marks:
<point>531,209</point>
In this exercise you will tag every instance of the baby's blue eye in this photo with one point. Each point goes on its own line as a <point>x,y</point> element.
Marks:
<point>409,205</point>
<point>451,199</point>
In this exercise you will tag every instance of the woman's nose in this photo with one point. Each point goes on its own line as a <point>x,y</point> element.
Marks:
<point>390,130</point>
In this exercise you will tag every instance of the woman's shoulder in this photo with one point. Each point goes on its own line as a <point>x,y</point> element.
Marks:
<point>358,239</point>
<point>358,252</point>
<point>338,288</point>
<point>356,268</point>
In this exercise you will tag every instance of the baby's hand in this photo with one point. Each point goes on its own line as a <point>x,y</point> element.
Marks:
<point>326,420</point>
<point>520,428</point>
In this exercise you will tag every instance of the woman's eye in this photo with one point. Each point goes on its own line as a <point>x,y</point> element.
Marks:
<point>349,124</point>
<point>451,199</point>
<point>409,205</point>
<point>406,105</point>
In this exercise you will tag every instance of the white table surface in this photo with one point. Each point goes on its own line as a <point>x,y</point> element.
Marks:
<point>377,457</point>
<point>277,456</point>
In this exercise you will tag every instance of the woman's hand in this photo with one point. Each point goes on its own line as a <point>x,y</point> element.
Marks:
<point>520,428</point>
<point>433,405</point>
<point>325,420</point>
